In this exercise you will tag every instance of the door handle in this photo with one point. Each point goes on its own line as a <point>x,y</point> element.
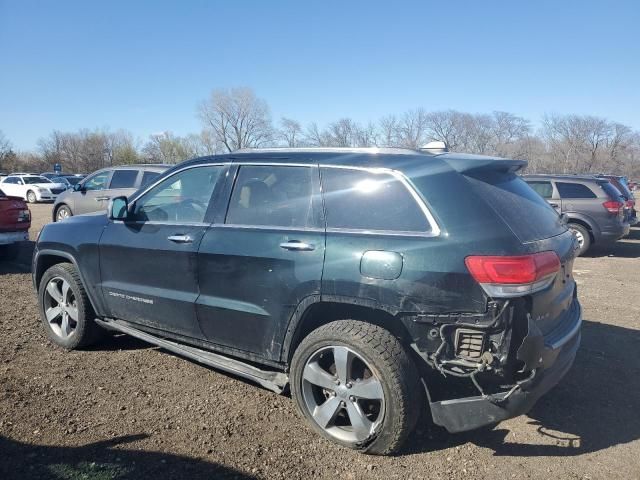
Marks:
<point>180,239</point>
<point>99,199</point>
<point>297,245</point>
<point>554,205</point>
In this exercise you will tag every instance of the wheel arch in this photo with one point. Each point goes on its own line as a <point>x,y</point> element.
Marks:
<point>585,224</point>
<point>314,311</point>
<point>45,259</point>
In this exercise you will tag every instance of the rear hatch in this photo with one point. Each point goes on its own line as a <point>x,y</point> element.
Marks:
<point>14,214</point>
<point>539,228</point>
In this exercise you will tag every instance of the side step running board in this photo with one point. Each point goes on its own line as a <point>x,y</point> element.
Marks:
<point>274,381</point>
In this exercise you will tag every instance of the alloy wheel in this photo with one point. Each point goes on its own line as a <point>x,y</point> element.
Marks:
<point>579,236</point>
<point>343,394</point>
<point>60,307</point>
<point>62,214</point>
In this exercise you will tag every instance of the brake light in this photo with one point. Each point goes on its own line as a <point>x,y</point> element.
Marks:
<point>511,276</point>
<point>24,216</point>
<point>613,206</point>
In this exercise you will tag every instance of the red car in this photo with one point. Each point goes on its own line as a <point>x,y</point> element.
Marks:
<point>15,220</point>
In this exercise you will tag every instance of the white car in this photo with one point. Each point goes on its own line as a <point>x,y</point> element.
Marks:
<point>33,188</point>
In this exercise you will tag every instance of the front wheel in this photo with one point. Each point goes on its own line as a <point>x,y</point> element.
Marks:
<point>65,309</point>
<point>582,236</point>
<point>62,213</point>
<point>356,385</point>
<point>31,197</point>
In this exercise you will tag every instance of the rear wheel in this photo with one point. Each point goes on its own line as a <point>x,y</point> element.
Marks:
<point>355,384</point>
<point>65,310</point>
<point>62,213</point>
<point>582,235</point>
<point>31,197</point>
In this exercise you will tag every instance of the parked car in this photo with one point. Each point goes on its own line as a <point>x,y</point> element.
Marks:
<point>15,220</point>
<point>92,193</point>
<point>622,185</point>
<point>32,188</point>
<point>351,275</point>
<point>594,207</point>
<point>68,180</point>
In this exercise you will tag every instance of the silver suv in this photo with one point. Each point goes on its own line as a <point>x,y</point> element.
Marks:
<point>93,193</point>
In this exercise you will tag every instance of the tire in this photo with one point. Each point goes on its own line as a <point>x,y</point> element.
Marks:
<point>62,212</point>
<point>31,197</point>
<point>389,420</point>
<point>583,236</point>
<point>71,333</point>
<point>9,252</point>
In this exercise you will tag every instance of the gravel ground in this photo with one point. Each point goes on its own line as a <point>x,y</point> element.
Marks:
<point>128,410</point>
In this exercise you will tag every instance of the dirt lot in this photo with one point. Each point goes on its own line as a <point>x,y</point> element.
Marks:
<point>128,410</point>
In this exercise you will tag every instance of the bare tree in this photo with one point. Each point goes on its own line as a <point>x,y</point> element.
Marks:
<point>290,132</point>
<point>237,118</point>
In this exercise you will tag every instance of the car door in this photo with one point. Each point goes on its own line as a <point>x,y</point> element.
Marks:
<point>576,197</point>
<point>148,263</point>
<point>91,197</point>
<point>10,187</point>
<point>545,189</point>
<point>257,264</point>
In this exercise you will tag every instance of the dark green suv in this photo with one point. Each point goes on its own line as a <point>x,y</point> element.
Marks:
<point>377,285</point>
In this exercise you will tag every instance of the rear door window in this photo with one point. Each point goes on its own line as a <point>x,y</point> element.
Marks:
<point>527,214</point>
<point>98,181</point>
<point>544,189</point>
<point>124,179</point>
<point>276,196</point>
<point>574,190</point>
<point>148,177</point>
<point>363,200</point>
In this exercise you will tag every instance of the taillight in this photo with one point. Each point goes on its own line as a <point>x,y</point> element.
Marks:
<point>613,206</point>
<point>24,215</point>
<point>507,276</point>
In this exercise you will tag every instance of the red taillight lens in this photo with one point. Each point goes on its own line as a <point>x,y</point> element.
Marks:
<point>612,206</point>
<point>512,270</point>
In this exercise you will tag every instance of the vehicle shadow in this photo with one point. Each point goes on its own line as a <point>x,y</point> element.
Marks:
<point>22,263</point>
<point>100,460</point>
<point>593,408</point>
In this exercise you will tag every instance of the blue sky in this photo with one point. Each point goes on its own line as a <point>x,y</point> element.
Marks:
<point>144,65</point>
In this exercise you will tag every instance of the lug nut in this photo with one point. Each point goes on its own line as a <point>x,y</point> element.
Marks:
<point>337,382</point>
<point>352,398</point>
<point>348,385</point>
<point>342,404</point>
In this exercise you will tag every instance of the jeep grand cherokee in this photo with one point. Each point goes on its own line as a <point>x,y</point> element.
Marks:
<point>375,284</point>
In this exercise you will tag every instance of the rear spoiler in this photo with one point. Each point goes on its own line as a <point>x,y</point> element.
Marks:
<point>465,163</point>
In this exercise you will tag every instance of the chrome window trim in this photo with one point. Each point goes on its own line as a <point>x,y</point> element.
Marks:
<point>268,227</point>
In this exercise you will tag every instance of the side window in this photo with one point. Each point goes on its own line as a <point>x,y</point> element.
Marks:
<point>361,200</point>
<point>11,181</point>
<point>123,179</point>
<point>97,182</point>
<point>275,196</point>
<point>544,189</point>
<point>574,190</point>
<point>183,197</point>
<point>148,177</point>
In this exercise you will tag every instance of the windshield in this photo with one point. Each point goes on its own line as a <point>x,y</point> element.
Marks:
<point>32,180</point>
<point>73,180</point>
<point>60,180</point>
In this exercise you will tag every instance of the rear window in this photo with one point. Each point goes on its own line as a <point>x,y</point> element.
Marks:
<point>528,215</point>
<point>574,190</point>
<point>123,179</point>
<point>611,191</point>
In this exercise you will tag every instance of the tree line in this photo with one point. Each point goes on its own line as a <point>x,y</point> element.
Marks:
<point>236,118</point>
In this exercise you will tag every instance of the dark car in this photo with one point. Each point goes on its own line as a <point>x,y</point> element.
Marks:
<point>353,277</point>
<point>15,220</point>
<point>622,184</point>
<point>595,210</point>
<point>92,193</point>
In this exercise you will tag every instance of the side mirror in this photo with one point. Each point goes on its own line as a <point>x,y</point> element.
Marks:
<point>78,187</point>
<point>118,208</point>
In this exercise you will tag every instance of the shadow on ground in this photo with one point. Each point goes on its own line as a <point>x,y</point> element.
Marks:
<point>593,408</point>
<point>97,461</point>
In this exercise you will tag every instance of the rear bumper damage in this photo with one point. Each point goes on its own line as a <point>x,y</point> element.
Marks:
<point>547,359</point>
